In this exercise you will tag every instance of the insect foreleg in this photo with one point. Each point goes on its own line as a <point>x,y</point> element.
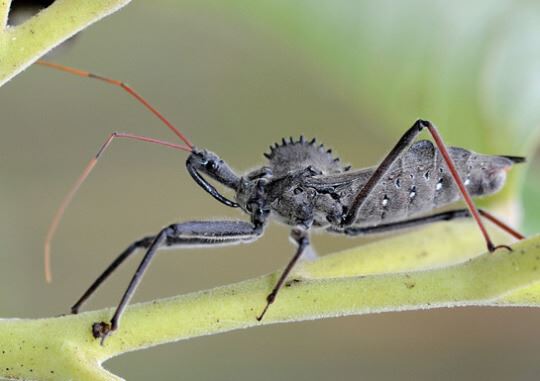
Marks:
<point>140,244</point>
<point>212,233</point>
<point>300,236</point>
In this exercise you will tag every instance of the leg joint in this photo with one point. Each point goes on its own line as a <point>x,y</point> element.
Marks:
<point>300,236</point>
<point>144,242</point>
<point>171,230</point>
<point>421,124</point>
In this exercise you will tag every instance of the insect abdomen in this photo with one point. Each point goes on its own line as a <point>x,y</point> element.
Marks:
<point>420,182</point>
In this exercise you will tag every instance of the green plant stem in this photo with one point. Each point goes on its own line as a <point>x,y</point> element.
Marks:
<point>63,347</point>
<point>4,11</point>
<point>20,46</point>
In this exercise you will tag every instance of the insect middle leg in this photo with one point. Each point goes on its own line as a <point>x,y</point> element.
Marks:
<point>210,233</point>
<point>301,238</point>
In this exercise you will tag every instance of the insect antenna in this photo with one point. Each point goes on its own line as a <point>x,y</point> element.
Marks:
<point>188,147</point>
<point>122,85</point>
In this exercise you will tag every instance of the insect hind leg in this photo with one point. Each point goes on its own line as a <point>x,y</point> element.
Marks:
<point>402,225</point>
<point>404,142</point>
<point>419,221</point>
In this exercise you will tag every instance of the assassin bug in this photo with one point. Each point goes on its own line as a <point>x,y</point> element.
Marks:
<point>305,187</point>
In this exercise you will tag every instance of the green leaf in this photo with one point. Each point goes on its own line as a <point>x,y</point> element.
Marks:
<point>21,45</point>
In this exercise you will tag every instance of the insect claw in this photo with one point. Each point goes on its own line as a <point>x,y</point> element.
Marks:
<point>313,141</point>
<point>101,330</point>
<point>291,139</point>
<point>284,141</point>
<point>492,248</point>
<point>301,140</point>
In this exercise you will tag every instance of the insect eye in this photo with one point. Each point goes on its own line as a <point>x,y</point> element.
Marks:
<point>298,190</point>
<point>210,165</point>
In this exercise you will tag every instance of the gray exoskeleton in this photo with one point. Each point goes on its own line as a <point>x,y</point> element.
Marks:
<point>303,185</point>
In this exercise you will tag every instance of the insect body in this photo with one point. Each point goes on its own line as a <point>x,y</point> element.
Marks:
<point>304,186</point>
<point>308,187</point>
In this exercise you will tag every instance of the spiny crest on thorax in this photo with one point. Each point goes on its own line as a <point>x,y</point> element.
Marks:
<point>292,155</point>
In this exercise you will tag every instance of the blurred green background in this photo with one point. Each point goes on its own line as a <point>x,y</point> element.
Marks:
<point>235,77</point>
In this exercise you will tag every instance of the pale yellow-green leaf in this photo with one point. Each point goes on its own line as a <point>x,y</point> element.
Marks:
<point>21,45</point>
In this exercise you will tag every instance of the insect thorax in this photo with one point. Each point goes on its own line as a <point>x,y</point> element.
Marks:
<point>291,156</point>
<point>287,192</point>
